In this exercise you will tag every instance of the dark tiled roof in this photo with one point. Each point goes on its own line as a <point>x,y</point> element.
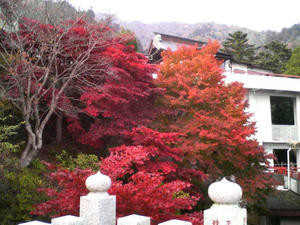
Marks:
<point>283,200</point>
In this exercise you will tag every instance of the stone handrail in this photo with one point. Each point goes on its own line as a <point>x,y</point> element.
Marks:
<point>99,208</point>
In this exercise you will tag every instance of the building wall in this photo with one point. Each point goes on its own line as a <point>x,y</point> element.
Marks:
<point>261,85</point>
<point>260,107</point>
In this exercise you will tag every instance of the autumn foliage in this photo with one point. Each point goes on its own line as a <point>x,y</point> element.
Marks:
<point>146,180</point>
<point>204,132</point>
<point>65,194</point>
<point>212,118</point>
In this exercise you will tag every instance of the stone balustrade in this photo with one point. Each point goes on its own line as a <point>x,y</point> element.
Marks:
<point>99,208</point>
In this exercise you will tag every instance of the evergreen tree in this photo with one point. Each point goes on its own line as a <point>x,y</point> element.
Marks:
<point>274,56</point>
<point>293,65</point>
<point>237,45</point>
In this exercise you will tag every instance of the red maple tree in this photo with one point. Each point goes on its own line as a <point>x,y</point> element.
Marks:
<point>118,103</point>
<point>217,134</point>
<point>145,178</point>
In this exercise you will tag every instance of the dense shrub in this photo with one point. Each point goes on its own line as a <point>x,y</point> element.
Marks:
<point>81,161</point>
<point>18,192</point>
<point>17,187</point>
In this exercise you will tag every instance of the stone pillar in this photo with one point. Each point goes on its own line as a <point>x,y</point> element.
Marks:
<point>98,207</point>
<point>226,196</point>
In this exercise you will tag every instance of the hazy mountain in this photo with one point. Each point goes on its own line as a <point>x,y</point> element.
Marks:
<point>203,31</point>
<point>200,31</point>
<point>291,36</point>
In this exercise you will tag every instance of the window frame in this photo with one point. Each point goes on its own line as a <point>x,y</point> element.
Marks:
<point>293,121</point>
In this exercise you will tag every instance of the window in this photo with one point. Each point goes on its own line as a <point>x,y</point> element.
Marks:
<point>281,158</point>
<point>282,110</point>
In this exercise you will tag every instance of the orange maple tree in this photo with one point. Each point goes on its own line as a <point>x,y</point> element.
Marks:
<point>217,134</point>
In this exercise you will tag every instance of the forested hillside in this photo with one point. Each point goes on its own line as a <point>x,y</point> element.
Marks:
<point>291,36</point>
<point>203,31</point>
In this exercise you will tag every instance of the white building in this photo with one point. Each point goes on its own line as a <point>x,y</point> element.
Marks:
<point>274,101</point>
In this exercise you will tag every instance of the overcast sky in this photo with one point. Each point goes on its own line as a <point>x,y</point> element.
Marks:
<point>254,14</point>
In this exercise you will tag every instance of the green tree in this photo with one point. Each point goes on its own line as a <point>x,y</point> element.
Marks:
<point>293,65</point>
<point>237,44</point>
<point>274,56</point>
<point>133,40</point>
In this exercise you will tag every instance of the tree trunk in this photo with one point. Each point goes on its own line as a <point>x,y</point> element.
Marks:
<point>34,145</point>
<point>59,120</point>
<point>27,159</point>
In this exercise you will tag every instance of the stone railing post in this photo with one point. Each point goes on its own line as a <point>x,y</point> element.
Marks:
<point>226,196</point>
<point>98,207</point>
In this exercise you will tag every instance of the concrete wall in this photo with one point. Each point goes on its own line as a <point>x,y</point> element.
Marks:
<point>259,106</point>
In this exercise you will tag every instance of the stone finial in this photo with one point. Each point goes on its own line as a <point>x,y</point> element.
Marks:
<point>225,192</point>
<point>98,183</point>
